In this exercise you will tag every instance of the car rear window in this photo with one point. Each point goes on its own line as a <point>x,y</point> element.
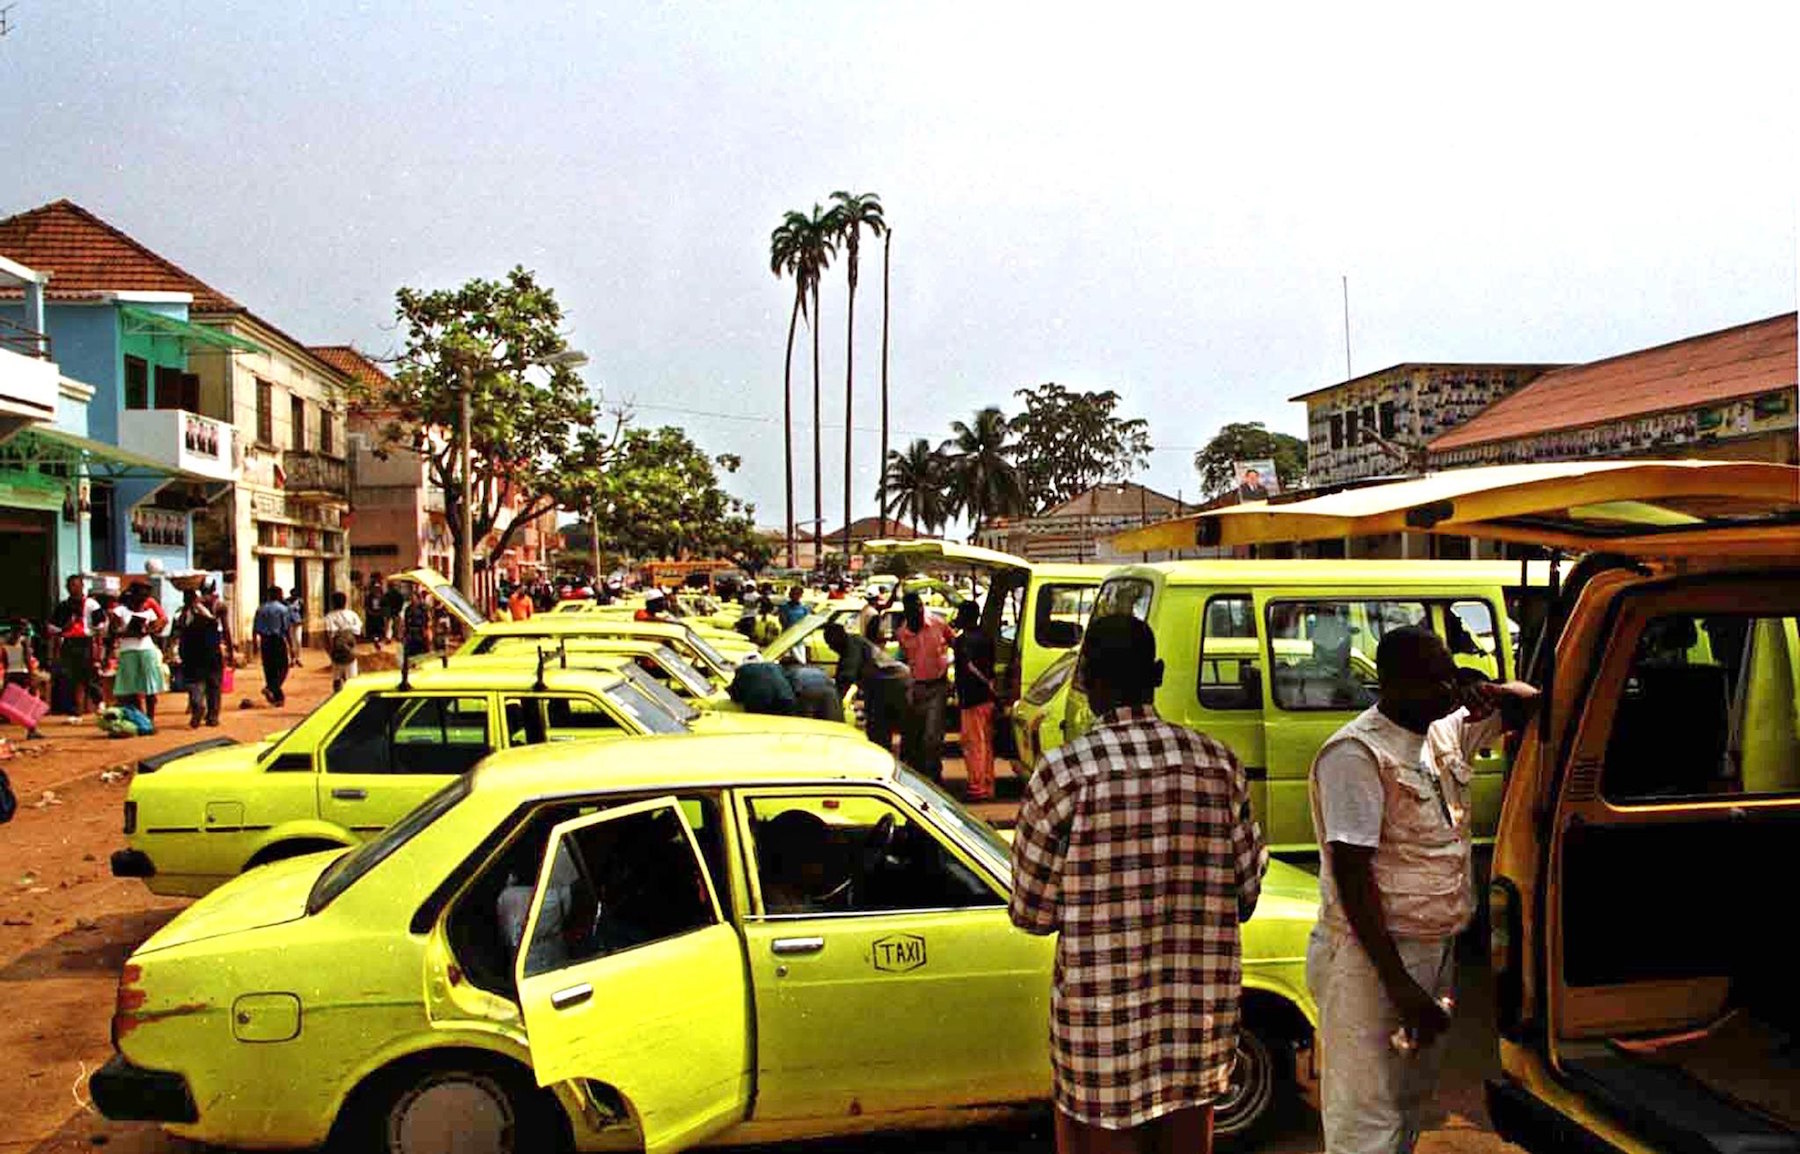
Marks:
<point>343,873</point>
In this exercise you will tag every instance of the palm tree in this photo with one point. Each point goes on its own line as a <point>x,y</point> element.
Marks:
<point>849,216</point>
<point>984,481</point>
<point>803,247</point>
<point>914,484</point>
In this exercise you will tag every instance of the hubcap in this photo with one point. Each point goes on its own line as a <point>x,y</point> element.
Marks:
<point>1251,1089</point>
<point>460,1113</point>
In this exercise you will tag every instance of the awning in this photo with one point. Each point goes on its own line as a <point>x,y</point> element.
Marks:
<point>48,445</point>
<point>195,338</point>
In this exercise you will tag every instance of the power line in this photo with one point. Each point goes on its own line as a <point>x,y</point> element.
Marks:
<point>752,418</point>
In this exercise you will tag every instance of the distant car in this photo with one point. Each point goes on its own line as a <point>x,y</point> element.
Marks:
<point>730,938</point>
<point>198,816</point>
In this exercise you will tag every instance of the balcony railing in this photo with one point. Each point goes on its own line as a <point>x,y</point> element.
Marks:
<point>15,337</point>
<point>315,476</point>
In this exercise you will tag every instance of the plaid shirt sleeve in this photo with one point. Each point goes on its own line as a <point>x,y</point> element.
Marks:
<point>1249,854</point>
<point>1040,839</point>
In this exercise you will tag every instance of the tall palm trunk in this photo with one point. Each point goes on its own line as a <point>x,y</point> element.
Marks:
<point>849,396</point>
<point>818,450</point>
<point>787,417</point>
<point>887,242</point>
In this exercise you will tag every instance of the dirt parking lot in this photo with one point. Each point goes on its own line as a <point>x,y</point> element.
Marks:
<point>67,925</point>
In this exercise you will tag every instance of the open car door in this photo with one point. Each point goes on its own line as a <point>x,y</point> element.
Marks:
<point>1637,508</point>
<point>630,975</point>
<point>439,589</point>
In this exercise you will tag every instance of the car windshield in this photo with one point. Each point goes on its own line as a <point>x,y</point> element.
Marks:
<point>976,835</point>
<point>712,656</point>
<point>672,705</point>
<point>1051,679</point>
<point>629,699</point>
<point>343,873</point>
<point>682,670</point>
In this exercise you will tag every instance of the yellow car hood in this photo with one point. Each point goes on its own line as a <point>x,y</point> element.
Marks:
<point>265,896</point>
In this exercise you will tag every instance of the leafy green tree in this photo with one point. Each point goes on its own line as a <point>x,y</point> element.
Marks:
<point>800,247</point>
<point>915,482</point>
<point>530,418</point>
<point>661,497</point>
<point>1248,441</point>
<point>850,214</point>
<point>984,483</point>
<point>1068,442</point>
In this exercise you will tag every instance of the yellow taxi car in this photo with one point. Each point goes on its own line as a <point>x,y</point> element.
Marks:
<point>551,629</point>
<point>720,939</point>
<point>1642,963</point>
<point>194,818</point>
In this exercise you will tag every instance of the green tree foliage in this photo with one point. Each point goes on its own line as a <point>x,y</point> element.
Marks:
<point>915,482</point>
<point>800,247</point>
<point>984,482</point>
<point>530,419</point>
<point>661,498</point>
<point>1248,441</point>
<point>1067,442</point>
<point>851,213</point>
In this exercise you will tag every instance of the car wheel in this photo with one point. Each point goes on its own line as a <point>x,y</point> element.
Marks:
<point>1257,1081</point>
<point>448,1107</point>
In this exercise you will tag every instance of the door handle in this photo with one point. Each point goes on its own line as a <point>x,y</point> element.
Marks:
<point>788,947</point>
<point>573,996</point>
<point>350,794</point>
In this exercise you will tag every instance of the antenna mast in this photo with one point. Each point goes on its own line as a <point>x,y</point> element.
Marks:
<point>5,24</point>
<point>1347,373</point>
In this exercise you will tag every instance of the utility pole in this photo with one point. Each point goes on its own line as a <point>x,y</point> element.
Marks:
<point>465,518</point>
<point>1347,373</point>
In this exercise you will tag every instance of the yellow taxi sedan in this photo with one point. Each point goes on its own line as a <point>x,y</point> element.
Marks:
<point>198,816</point>
<point>720,939</point>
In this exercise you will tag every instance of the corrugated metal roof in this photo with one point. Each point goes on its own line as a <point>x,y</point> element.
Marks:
<point>1702,370</point>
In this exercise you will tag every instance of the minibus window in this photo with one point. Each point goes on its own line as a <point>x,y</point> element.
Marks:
<point>1470,634</point>
<point>1709,708</point>
<point>1322,652</point>
<point>1230,664</point>
<point>1124,595</point>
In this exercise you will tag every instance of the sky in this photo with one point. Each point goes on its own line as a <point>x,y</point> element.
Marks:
<point>1159,200</point>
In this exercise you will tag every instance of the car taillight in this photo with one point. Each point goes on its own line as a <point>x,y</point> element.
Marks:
<point>1504,955</point>
<point>131,817</point>
<point>126,1003</point>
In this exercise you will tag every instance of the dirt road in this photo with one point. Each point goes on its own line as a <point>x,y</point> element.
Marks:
<point>67,925</point>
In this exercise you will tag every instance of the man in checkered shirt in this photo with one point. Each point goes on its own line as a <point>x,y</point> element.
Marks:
<point>1136,844</point>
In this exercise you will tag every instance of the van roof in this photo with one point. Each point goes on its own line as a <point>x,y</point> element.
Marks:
<point>1338,572</point>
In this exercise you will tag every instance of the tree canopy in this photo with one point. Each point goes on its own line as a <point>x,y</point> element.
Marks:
<point>661,497</point>
<point>1248,441</point>
<point>1067,442</point>
<point>533,423</point>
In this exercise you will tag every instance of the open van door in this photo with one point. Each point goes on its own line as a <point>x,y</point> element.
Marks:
<point>439,589</point>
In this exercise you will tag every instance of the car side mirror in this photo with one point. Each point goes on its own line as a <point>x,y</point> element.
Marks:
<point>1055,634</point>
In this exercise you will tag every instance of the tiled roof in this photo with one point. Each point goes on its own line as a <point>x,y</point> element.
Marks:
<point>1703,370</point>
<point>85,256</point>
<point>869,529</point>
<point>353,364</point>
<point>1115,500</point>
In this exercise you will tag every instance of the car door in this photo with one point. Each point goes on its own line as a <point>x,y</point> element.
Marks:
<point>887,975</point>
<point>632,976</point>
<point>397,749</point>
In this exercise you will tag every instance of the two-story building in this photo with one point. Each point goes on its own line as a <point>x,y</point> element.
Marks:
<point>195,409</point>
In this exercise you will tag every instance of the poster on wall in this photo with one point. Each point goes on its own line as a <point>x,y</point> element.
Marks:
<point>1256,480</point>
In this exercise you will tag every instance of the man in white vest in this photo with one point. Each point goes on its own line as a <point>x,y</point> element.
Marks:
<point>1390,808</point>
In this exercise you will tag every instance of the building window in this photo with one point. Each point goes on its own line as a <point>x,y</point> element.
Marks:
<point>1350,427</point>
<point>176,389</point>
<point>1387,419</point>
<point>298,408</point>
<point>1368,419</point>
<point>137,383</point>
<point>1337,430</point>
<point>265,412</point>
<point>325,432</point>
